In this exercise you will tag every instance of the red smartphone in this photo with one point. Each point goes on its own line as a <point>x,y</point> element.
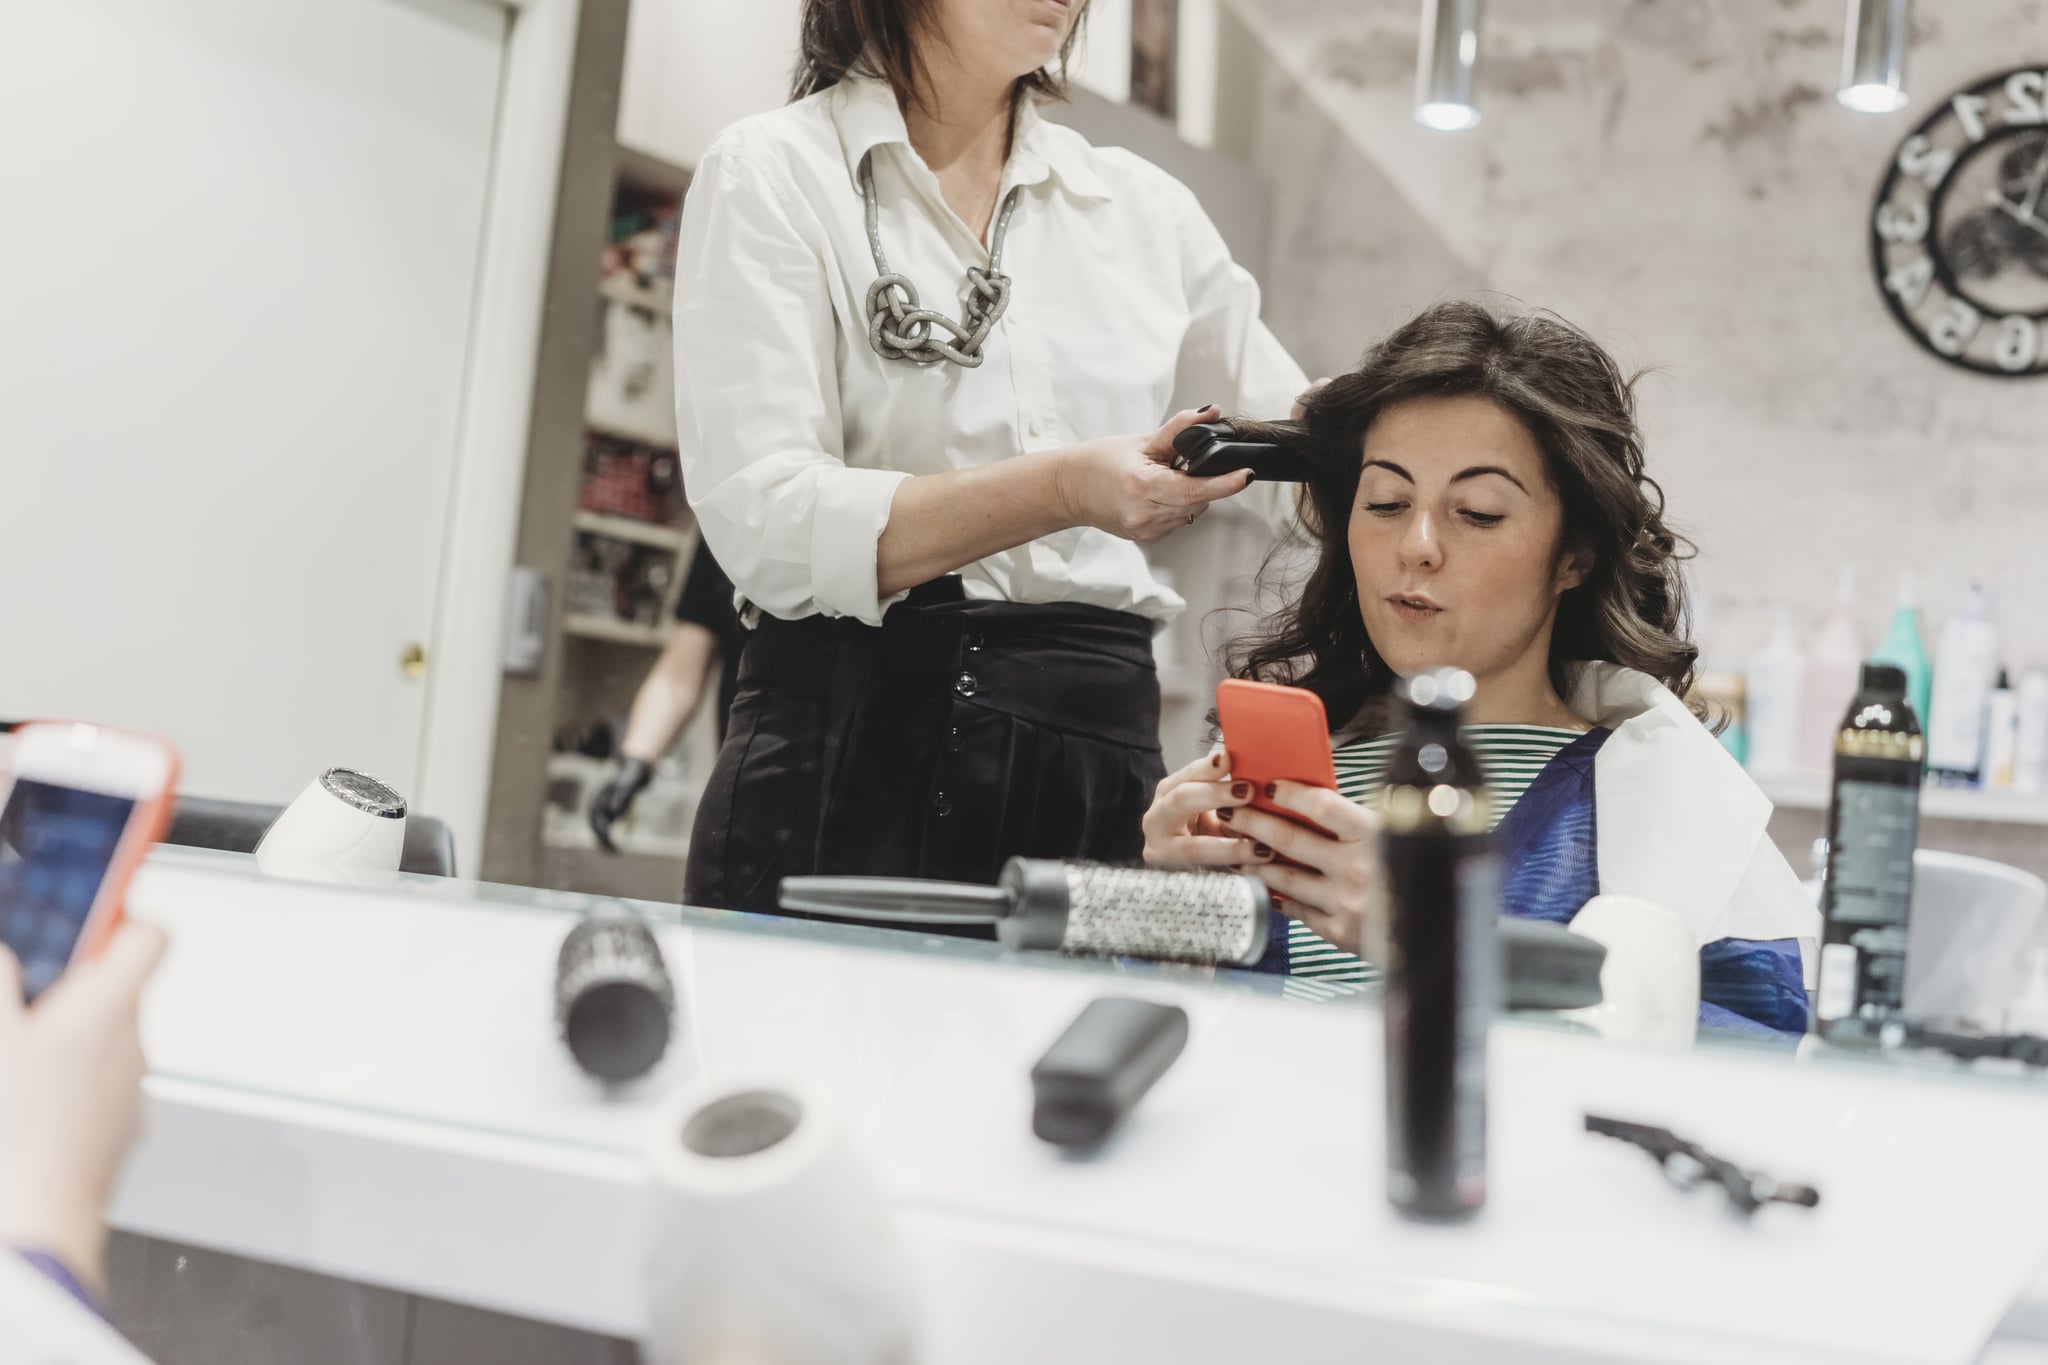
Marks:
<point>1275,734</point>
<point>79,806</point>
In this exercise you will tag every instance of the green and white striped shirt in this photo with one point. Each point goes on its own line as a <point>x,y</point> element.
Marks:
<point>1510,755</point>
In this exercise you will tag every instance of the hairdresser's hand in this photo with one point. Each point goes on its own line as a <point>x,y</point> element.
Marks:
<point>1127,486</point>
<point>70,1094</point>
<point>629,778</point>
<point>1336,886</point>
<point>1301,401</point>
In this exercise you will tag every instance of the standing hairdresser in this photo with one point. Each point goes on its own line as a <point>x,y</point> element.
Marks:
<point>924,342</point>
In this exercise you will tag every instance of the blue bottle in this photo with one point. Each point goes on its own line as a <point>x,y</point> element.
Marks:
<point>1901,647</point>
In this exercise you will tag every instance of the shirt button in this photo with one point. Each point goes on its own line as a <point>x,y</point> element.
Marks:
<point>953,740</point>
<point>971,642</point>
<point>942,805</point>
<point>967,684</point>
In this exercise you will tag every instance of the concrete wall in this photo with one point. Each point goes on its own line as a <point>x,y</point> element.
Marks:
<point>1677,177</point>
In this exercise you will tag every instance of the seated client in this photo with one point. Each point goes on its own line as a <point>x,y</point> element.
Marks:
<point>1480,501</point>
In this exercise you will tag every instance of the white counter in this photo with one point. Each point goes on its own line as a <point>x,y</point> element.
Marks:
<point>368,1085</point>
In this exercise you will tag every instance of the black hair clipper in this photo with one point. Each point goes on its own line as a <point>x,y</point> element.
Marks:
<point>1210,448</point>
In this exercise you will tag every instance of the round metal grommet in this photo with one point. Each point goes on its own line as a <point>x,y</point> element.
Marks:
<point>967,684</point>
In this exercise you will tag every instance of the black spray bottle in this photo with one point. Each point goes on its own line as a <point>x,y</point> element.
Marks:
<point>1442,960</point>
<point>1867,890</point>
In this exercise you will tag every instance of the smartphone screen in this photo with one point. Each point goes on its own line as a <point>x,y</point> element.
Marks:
<point>56,845</point>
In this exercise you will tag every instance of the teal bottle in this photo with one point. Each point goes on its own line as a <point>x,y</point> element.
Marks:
<point>1901,647</point>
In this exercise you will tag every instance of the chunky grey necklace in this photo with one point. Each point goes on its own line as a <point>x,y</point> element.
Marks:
<point>900,329</point>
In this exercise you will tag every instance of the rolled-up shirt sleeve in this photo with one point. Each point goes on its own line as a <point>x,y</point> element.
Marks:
<point>1228,355</point>
<point>758,419</point>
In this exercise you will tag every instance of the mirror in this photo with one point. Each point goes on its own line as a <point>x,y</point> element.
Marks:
<point>341,418</point>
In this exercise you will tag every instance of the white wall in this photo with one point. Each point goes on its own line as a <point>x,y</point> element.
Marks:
<point>1102,59</point>
<point>694,66</point>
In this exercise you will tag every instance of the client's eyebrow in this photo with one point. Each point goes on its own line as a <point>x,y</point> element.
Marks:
<point>1474,472</point>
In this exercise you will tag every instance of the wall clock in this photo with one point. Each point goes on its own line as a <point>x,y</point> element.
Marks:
<point>1959,232</point>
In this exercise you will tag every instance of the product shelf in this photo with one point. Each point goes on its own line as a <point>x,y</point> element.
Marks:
<point>617,632</point>
<point>627,528</point>
<point>660,298</point>
<point>1936,803</point>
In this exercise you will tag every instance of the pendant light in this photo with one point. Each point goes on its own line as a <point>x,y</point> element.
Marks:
<point>1874,57</point>
<point>1443,65</point>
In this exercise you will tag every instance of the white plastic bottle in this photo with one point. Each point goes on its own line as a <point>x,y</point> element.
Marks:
<point>2001,736</point>
<point>2030,763</point>
<point>1964,669</point>
<point>1773,681</point>
<point>1833,669</point>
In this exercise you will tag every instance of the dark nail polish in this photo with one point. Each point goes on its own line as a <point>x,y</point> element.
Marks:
<point>1216,760</point>
<point>1224,815</point>
<point>1241,790</point>
<point>1248,478</point>
<point>1272,791</point>
<point>1262,851</point>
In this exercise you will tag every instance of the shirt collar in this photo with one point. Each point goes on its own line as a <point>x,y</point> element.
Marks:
<point>867,117</point>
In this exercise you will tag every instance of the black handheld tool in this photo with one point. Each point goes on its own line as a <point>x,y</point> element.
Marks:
<point>614,1002</point>
<point>1687,1164</point>
<point>1166,915</point>
<point>1149,912</point>
<point>1102,1066</point>
<point>1209,448</point>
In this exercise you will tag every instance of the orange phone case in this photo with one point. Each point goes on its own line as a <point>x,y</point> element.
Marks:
<point>1275,734</point>
<point>147,825</point>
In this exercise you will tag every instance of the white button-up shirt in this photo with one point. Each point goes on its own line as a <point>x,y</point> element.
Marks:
<point>1124,307</point>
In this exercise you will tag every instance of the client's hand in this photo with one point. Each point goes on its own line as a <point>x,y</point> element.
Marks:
<point>1127,486</point>
<point>1337,888</point>
<point>70,1087</point>
<point>1183,828</point>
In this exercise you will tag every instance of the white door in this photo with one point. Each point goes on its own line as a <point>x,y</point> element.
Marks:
<point>238,258</point>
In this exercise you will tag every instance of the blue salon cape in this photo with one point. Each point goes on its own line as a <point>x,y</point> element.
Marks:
<point>1550,867</point>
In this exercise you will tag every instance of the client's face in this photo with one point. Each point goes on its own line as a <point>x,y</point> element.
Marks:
<point>1455,540</point>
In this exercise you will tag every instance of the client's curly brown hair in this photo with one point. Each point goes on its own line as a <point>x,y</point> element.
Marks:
<point>1575,401</point>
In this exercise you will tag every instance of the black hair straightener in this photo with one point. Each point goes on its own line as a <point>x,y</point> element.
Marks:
<point>1211,448</point>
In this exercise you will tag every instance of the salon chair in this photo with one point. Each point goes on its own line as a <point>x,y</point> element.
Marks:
<point>238,826</point>
<point>1967,947</point>
<point>1974,921</point>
